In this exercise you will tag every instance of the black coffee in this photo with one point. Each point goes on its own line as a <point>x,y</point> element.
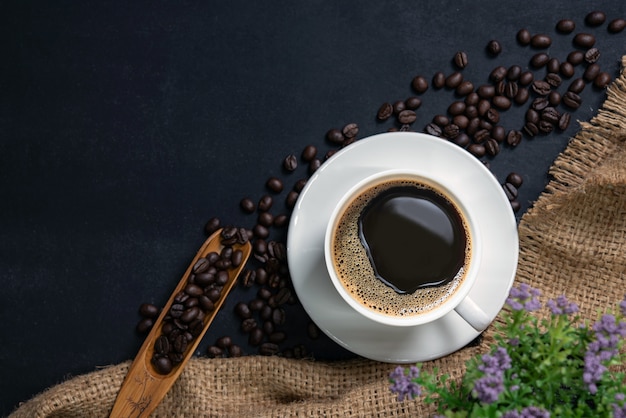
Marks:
<point>401,247</point>
<point>414,238</point>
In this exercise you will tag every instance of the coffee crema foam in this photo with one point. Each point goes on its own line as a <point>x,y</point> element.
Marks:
<point>355,271</point>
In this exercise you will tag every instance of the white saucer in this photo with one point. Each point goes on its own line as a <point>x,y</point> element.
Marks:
<point>418,152</point>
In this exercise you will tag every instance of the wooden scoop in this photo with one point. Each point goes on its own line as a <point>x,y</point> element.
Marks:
<point>144,387</point>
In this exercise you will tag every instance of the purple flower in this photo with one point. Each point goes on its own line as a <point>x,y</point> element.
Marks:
<point>496,363</point>
<point>528,412</point>
<point>562,306</point>
<point>622,306</point>
<point>607,333</point>
<point>488,387</point>
<point>524,297</point>
<point>403,384</point>
<point>619,408</point>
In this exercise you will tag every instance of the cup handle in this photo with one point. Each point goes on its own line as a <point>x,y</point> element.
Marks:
<point>473,314</point>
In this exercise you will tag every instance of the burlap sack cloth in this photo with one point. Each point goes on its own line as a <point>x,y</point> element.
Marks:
<point>572,241</point>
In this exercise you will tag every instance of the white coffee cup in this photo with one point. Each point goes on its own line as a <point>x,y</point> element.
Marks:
<point>457,299</point>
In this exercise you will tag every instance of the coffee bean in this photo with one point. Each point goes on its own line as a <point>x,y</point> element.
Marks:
<point>433,129</point>
<point>235,351</point>
<point>539,60</point>
<point>472,99</point>
<point>553,65</point>
<point>176,310</point>
<point>461,121</point>
<point>515,179</point>
<point>513,73</point>
<point>313,331</point>
<point>498,74</point>
<point>351,130</point>
<point>248,324</point>
<point>510,89</point>
<point>564,121</point>
<point>268,349</point>
<point>575,57</point>
<point>281,220</point>
<point>283,296</point>
<point>577,85</point>
<point>513,138</point>
<point>540,41</point>
<point>162,364</point>
<point>554,98</point>
<point>592,55</point>
<point>541,87</point>
<point>602,80</point>
<point>439,80</point>
<point>419,84</point>
<point>478,150</point>
<point>214,351</point>
<point>398,106</point>
<point>510,191</point>
<point>144,325</point>
<point>162,345</point>
<point>193,290</point>
<point>584,40</point>
<point>501,102</point>
<point>460,59</point>
<point>465,88</point>
<point>205,303</point>
<point>274,184</point>
<point>278,316</point>
<point>523,37</point>
<point>591,72</point>
<point>265,203</point>
<point>454,80</point>
<point>498,133</point>
<point>540,103</point>
<point>471,111</point>
<point>595,18</point>
<point>407,117</point>
<point>516,206</point>
<point>242,310</point>
<point>224,342</point>
<point>413,103</point>
<point>553,79</point>
<point>451,131</point>
<point>530,129</point>
<point>148,310</point>
<point>551,115</point>
<point>180,343</point>
<point>308,153</point>
<point>491,147</point>
<point>277,337</point>
<point>462,139</point>
<point>384,112</point>
<point>532,116</point>
<point>571,100</point>
<point>525,78</point>
<point>335,136</point>
<point>255,337</point>
<point>213,294</point>
<point>247,205</point>
<point>456,108</point>
<point>486,91</point>
<point>566,69</point>
<point>522,96</point>
<point>565,26</point>
<point>494,48</point>
<point>617,25</point>
<point>211,226</point>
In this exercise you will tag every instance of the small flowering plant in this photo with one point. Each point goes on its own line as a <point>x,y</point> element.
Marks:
<point>557,366</point>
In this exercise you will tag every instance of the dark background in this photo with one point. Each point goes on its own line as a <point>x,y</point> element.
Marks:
<point>125,126</point>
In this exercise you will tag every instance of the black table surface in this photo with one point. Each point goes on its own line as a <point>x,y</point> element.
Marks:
<point>125,126</point>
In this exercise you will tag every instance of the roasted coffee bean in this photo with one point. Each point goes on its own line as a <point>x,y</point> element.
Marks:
<point>384,112</point>
<point>566,69</point>
<point>516,206</point>
<point>265,219</point>
<point>350,130</point>
<point>201,266</point>
<point>248,324</point>
<point>283,296</point>
<point>193,290</point>
<point>532,116</point>
<point>268,349</point>
<point>180,343</point>
<point>584,40</point>
<point>481,136</point>
<point>554,98</point>
<point>501,102</point>
<point>571,100</point>
<point>148,310</point>
<point>617,25</point>
<point>540,103</point>
<point>314,165</point>
<point>226,252</point>
<point>144,325</point>
<point>492,147</point>
<point>461,121</point>
<point>492,115</point>
<point>462,139</point>
<point>553,65</point>
<point>224,342</point>
<point>190,314</point>
<point>498,133</point>
<point>522,96</point>
<point>471,111</point>
<point>485,124</point>
<point>523,37</point>
<point>565,26</point>
<point>260,231</point>
<point>472,99</point>
<point>486,91</point>
<point>515,179</point>
<point>256,304</point>
<point>205,303</point>
<point>577,85</point>
<point>540,41</point>
<point>255,337</point>
<point>265,203</point>
<point>247,205</point>
<point>551,115</point>
<point>268,327</point>
<point>277,337</point>
<point>235,351</point>
<point>221,278</point>
<point>592,55</point>
<point>278,316</point>
<point>510,191</point>
<point>419,84</point>
<point>398,106</point>
<point>433,129</point>
<point>483,106</point>
<point>413,102</point>
<point>498,74</point>
<point>465,88</point>
<point>454,80</point>
<point>530,129</point>
<point>212,225</point>
<point>162,345</point>
<point>274,184</point>
<point>553,79</point>
<point>539,60</point>
<point>591,72</point>
<point>602,80</point>
<point>460,59</point>
<point>456,108</point>
<point>242,310</point>
<point>478,150</point>
<point>313,331</point>
<point>214,351</point>
<point>407,117</point>
<point>575,57</point>
<point>494,48</point>
<point>335,136</point>
<point>451,131</point>
<point>513,138</point>
<point>513,73</point>
<point>541,87</point>
<point>176,310</point>
<point>595,18</point>
<point>439,80</point>
<point>281,220</point>
<point>510,89</point>
<point>525,78</point>
<point>308,153</point>
<point>291,199</point>
<point>473,126</point>
<point>162,364</point>
<point>213,294</point>
<point>564,121</point>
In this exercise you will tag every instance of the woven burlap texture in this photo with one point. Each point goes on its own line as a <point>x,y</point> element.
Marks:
<point>572,241</point>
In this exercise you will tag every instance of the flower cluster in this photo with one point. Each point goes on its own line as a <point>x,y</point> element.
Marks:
<point>554,366</point>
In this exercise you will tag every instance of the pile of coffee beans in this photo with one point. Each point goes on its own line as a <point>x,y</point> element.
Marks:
<point>185,319</point>
<point>549,92</point>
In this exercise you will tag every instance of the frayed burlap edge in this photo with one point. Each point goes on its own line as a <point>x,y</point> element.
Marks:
<point>571,241</point>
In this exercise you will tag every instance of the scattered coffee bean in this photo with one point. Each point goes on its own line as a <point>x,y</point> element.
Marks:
<point>592,55</point>
<point>540,41</point>
<point>211,226</point>
<point>541,87</point>
<point>575,57</point>
<point>498,74</point>
<point>351,130</point>
<point>526,78</point>
<point>335,136</point>
<point>513,73</point>
<point>515,179</point>
<point>460,59</point>
<point>148,310</point>
<point>454,80</point>
<point>577,85</point>
<point>566,69</point>
<point>465,88</point>
<point>554,98</point>
<point>247,205</point>
<point>571,100</point>
<point>595,18</point>
<point>419,84</point>
<point>591,72</point>
<point>494,48</point>
<point>553,65</point>
<point>523,37</point>
<point>553,79</point>
<point>617,25</point>
<point>584,40</point>
<point>539,60</point>
<point>144,325</point>
<point>274,184</point>
<point>384,112</point>
<point>564,121</point>
<point>268,349</point>
<point>565,26</point>
<point>407,117</point>
<point>602,80</point>
<point>439,80</point>
<point>162,364</point>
